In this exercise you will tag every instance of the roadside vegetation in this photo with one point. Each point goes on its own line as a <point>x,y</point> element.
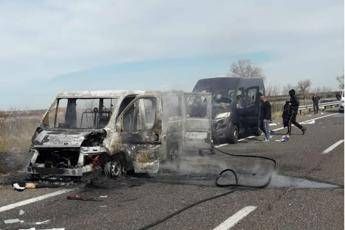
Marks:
<point>16,129</point>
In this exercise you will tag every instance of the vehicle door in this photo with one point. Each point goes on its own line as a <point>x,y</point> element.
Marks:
<point>252,107</point>
<point>240,115</point>
<point>197,123</point>
<point>140,130</point>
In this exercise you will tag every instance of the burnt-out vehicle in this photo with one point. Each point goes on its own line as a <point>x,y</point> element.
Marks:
<point>236,106</point>
<point>119,132</point>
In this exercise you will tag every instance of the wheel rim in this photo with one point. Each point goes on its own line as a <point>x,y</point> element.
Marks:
<point>114,169</point>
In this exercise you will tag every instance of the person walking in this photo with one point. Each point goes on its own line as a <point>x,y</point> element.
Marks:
<point>266,117</point>
<point>286,114</point>
<point>294,104</point>
<point>316,100</point>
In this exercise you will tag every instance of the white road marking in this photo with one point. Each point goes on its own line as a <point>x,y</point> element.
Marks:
<point>234,219</point>
<point>307,121</point>
<point>33,200</point>
<point>222,145</point>
<point>330,148</point>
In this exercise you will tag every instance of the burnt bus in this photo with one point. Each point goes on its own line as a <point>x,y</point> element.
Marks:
<point>235,106</point>
<point>118,132</point>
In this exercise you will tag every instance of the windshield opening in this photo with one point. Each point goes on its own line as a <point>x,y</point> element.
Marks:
<point>80,113</point>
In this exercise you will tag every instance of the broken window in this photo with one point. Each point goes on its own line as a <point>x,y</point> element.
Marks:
<point>251,96</point>
<point>148,113</point>
<point>140,116</point>
<point>80,113</point>
<point>196,106</point>
<point>240,98</point>
<point>130,119</point>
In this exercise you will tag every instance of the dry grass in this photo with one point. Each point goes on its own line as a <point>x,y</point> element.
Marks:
<point>16,131</point>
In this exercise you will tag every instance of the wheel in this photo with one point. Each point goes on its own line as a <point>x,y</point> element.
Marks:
<point>114,168</point>
<point>233,134</point>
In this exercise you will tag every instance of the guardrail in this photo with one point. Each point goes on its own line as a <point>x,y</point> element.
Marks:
<point>322,106</point>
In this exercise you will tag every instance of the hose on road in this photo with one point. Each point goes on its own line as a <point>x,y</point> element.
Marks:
<point>235,185</point>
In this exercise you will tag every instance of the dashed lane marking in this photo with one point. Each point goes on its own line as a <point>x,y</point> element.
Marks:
<point>33,200</point>
<point>330,148</point>
<point>234,219</point>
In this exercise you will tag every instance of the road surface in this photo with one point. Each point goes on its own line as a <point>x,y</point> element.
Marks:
<point>293,200</point>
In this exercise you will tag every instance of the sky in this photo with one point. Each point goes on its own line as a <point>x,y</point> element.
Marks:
<point>50,46</point>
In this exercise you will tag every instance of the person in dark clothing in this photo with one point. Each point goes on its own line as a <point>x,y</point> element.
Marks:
<point>294,104</point>
<point>316,100</point>
<point>286,114</point>
<point>265,118</point>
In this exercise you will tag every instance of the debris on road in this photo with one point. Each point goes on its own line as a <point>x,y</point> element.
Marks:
<point>13,221</point>
<point>21,212</point>
<point>42,222</point>
<point>82,198</point>
<point>285,138</point>
<point>19,187</point>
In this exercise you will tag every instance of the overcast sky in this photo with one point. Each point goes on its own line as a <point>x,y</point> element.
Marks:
<point>49,46</point>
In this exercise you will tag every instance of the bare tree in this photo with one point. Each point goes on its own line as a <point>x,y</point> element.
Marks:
<point>272,90</point>
<point>245,69</point>
<point>287,88</point>
<point>303,88</point>
<point>340,80</point>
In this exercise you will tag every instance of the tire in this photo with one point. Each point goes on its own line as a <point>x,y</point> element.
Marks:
<point>233,134</point>
<point>115,168</point>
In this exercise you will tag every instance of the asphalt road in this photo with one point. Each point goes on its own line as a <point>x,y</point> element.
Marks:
<point>294,200</point>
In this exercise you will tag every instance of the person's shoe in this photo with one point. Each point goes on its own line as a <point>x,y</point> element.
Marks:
<point>304,129</point>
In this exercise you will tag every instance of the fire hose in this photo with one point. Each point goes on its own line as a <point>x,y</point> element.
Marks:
<point>235,185</point>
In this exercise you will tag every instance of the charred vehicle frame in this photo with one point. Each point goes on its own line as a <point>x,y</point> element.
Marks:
<point>119,132</point>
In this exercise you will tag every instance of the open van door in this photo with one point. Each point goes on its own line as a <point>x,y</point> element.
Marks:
<point>252,108</point>
<point>139,127</point>
<point>197,122</point>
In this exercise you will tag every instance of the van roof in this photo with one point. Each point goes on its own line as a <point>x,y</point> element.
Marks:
<point>226,82</point>
<point>98,93</point>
